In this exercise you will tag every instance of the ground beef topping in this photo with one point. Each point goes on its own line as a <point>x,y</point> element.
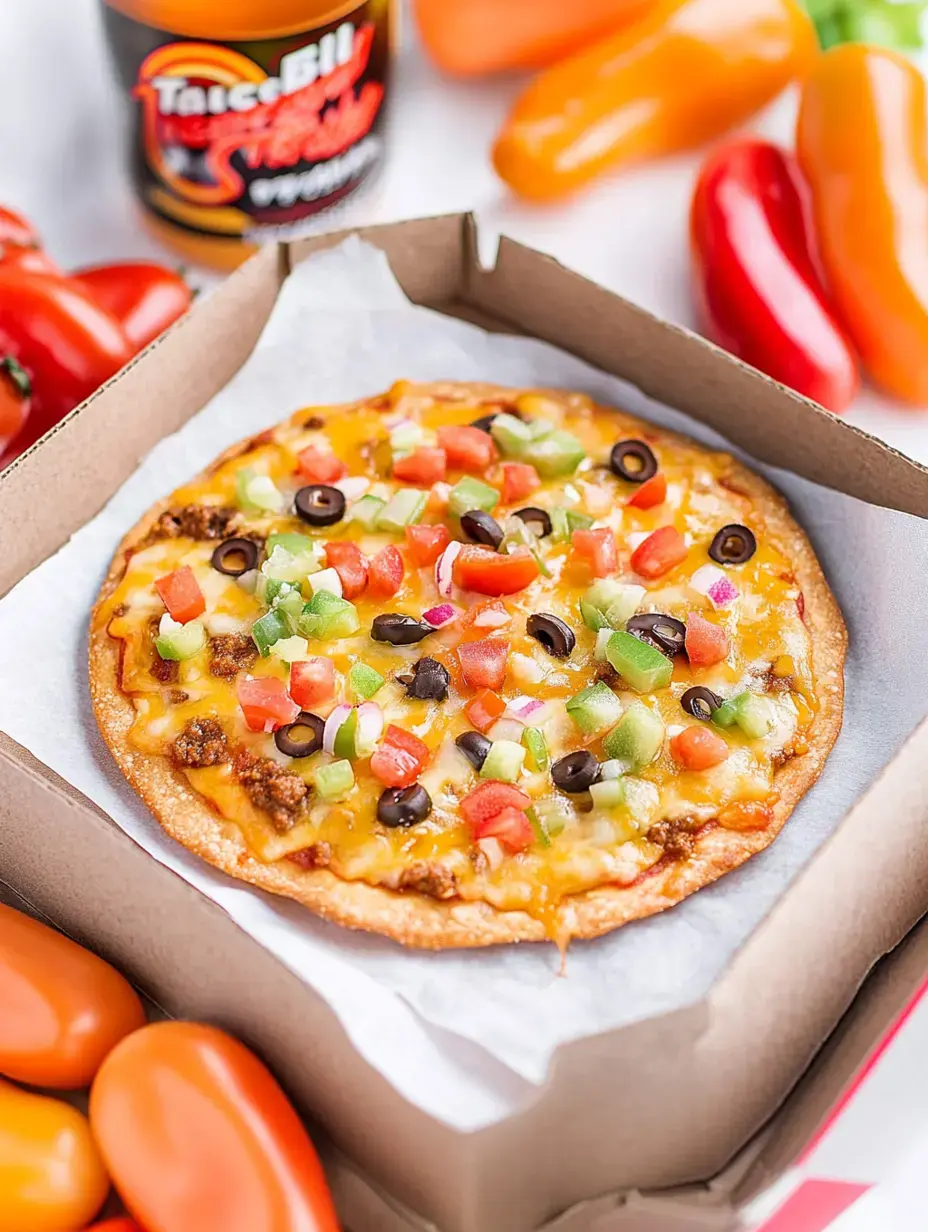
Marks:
<point>318,855</point>
<point>201,743</point>
<point>231,653</point>
<point>271,787</point>
<point>197,522</point>
<point>678,838</point>
<point>163,670</point>
<point>430,879</point>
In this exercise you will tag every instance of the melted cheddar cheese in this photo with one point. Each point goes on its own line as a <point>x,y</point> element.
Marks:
<point>770,652</point>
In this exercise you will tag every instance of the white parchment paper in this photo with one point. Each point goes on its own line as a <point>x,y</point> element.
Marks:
<point>467,1036</point>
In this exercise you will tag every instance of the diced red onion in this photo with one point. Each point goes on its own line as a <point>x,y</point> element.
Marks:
<point>352,487</point>
<point>718,588</point>
<point>332,724</point>
<point>444,566</point>
<point>370,727</point>
<point>524,707</point>
<point>441,615</point>
<point>397,421</point>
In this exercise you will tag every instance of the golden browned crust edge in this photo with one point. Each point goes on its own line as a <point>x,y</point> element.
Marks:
<point>415,919</point>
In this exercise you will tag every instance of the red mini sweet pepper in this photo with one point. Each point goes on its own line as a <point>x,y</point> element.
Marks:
<point>756,282</point>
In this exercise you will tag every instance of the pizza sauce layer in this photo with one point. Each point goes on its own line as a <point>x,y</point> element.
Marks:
<point>504,649</point>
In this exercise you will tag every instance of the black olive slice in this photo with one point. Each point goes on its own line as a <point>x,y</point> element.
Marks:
<point>575,772</point>
<point>235,557</point>
<point>480,527</point>
<point>403,806</point>
<point>632,461</point>
<point>556,637</point>
<point>429,682</point>
<point>320,505</point>
<point>700,702</point>
<point>665,632</point>
<point>301,737</point>
<point>537,520</point>
<point>399,630</point>
<point>475,746</point>
<point>733,545</point>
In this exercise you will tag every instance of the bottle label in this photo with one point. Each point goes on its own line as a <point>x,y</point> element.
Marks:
<point>247,140</point>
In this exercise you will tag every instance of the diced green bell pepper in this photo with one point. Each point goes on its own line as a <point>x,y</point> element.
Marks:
<point>344,745</point>
<point>578,521</point>
<point>609,604</point>
<point>560,527</point>
<point>335,780</point>
<point>294,543</point>
<point>290,605</point>
<point>366,511</point>
<point>558,453</point>
<point>403,509</point>
<point>537,823</point>
<point>326,617</point>
<point>537,747</point>
<point>754,715</point>
<point>257,493</point>
<point>510,434</point>
<point>268,630</point>
<point>364,680</point>
<point>637,738</point>
<point>594,708</point>
<point>641,666</point>
<point>503,761</point>
<point>549,816</point>
<point>468,494</point>
<point>179,642</point>
<point>608,794</point>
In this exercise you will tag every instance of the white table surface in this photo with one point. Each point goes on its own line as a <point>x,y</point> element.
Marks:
<point>61,163</point>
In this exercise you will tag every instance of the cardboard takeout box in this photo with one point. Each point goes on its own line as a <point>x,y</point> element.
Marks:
<point>635,1129</point>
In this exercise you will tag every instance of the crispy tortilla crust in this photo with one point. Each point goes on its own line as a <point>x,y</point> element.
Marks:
<point>412,918</point>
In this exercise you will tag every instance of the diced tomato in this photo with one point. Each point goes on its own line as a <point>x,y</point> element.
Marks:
<point>181,594</point>
<point>484,709</point>
<point>659,553</point>
<point>483,663</point>
<point>652,492</point>
<point>423,467</point>
<point>312,682</point>
<point>317,465</point>
<point>400,759</point>
<point>489,799</point>
<point>706,643</point>
<point>386,573</point>
<point>511,827</point>
<point>468,449</point>
<point>698,748</point>
<point>596,548</point>
<point>424,544</point>
<point>351,565</point>
<point>265,703</point>
<point>485,617</point>
<point>519,480</point>
<point>490,573</point>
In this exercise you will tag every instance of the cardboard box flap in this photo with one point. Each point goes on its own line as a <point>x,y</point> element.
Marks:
<point>833,1077</point>
<point>578,315</point>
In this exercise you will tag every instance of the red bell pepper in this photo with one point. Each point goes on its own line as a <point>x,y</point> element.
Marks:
<point>756,282</point>
<point>15,399</point>
<point>66,342</point>
<point>144,297</point>
<point>489,573</point>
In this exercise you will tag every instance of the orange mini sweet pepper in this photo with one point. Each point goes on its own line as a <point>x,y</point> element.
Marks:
<point>469,37</point>
<point>862,146</point>
<point>684,73</point>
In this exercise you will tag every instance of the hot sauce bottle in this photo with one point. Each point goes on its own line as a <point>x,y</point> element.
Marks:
<point>249,117</point>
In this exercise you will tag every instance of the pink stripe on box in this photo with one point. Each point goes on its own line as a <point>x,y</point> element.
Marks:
<point>814,1205</point>
<point>864,1072</point>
